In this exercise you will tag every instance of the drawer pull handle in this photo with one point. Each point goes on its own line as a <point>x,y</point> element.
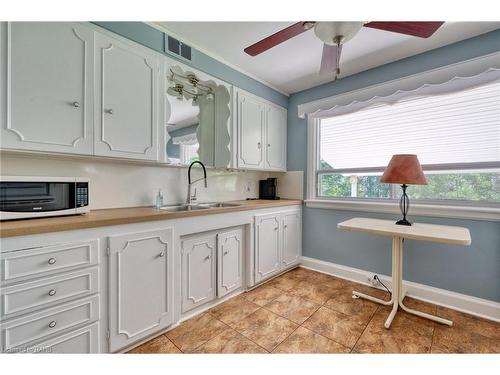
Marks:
<point>162,254</point>
<point>52,292</point>
<point>52,261</point>
<point>52,324</point>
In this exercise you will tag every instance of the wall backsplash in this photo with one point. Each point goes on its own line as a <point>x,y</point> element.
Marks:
<point>120,184</point>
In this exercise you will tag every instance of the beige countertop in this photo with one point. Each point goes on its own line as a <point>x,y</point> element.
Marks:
<point>116,216</point>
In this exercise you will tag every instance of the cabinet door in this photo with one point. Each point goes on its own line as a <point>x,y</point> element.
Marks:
<point>140,285</point>
<point>126,115</point>
<point>250,127</point>
<point>47,73</point>
<point>198,270</point>
<point>292,238</point>
<point>275,138</point>
<point>229,256</point>
<point>267,246</point>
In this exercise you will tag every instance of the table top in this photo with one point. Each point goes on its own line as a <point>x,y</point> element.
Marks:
<point>418,231</point>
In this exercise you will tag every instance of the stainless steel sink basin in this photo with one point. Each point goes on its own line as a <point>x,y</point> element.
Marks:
<point>218,204</point>
<point>200,206</point>
<point>182,207</point>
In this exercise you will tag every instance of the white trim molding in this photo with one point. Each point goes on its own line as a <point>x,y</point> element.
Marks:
<point>475,71</point>
<point>468,304</point>
<point>417,209</point>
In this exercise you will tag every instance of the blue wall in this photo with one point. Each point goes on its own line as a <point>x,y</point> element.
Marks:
<point>155,39</point>
<point>473,270</point>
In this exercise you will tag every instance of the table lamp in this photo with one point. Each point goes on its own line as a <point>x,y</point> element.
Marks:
<point>406,170</point>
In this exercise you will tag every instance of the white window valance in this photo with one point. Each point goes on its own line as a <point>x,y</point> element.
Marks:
<point>447,79</point>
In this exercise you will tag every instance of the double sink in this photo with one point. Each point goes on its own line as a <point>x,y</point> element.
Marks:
<point>199,206</point>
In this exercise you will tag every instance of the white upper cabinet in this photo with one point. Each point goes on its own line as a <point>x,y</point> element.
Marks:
<point>275,138</point>
<point>250,114</point>
<point>126,100</point>
<point>140,285</point>
<point>261,133</point>
<point>46,81</point>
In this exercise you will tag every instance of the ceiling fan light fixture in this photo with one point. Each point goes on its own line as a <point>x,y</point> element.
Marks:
<point>329,32</point>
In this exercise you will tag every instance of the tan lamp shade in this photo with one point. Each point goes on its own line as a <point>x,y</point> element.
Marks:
<point>404,169</point>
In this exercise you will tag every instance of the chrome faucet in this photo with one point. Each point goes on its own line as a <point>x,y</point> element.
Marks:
<point>190,198</point>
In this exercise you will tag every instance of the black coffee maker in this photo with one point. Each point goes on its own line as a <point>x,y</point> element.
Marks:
<point>268,188</point>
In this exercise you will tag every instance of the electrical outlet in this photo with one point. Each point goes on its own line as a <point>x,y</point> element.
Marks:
<point>372,280</point>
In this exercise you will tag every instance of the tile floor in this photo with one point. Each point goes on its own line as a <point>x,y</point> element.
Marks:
<point>304,311</point>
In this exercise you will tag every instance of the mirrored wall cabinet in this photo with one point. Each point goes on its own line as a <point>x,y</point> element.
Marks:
<point>74,88</point>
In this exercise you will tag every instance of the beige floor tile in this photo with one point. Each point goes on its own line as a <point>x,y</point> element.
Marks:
<point>358,309</point>
<point>234,310</point>
<point>160,344</point>
<point>306,341</point>
<point>335,326</point>
<point>230,341</point>
<point>467,335</point>
<point>263,294</point>
<point>196,331</point>
<point>292,307</point>
<point>406,335</point>
<point>265,328</point>
<point>317,291</point>
<point>284,282</point>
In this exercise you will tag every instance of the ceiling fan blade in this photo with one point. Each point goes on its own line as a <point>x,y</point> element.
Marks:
<point>277,38</point>
<point>420,29</point>
<point>330,58</point>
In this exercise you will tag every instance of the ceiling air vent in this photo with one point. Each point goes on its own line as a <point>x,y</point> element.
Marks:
<point>178,48</point>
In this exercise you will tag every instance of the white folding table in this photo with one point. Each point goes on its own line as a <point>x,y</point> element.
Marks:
<point>422,232</point>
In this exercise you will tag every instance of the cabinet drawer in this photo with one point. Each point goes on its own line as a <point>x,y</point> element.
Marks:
<point>47,291</point>
<point>47,260</point>
<point>83,340</point>
<point>19,332</point>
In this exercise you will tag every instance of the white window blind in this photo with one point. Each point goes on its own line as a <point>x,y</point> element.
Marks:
<point>461,127</point>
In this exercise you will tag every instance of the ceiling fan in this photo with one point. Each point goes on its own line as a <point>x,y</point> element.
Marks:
<point>335,34</point>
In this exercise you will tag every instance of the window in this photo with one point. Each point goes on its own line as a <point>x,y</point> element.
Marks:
<point>456,137</point>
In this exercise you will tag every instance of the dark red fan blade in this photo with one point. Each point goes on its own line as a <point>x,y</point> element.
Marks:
<point>420,29</point>
<point>276,38</point>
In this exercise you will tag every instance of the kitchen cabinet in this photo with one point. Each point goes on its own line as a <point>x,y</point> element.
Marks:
<point>47,86</point>
<point>229,265</point>
<point>278,243</point>
<point>126,100</point>
<point>291,237</point>
<point>198,270</point>
<point>267,246</point>
<point>140,285</point>
<point>261,133</point>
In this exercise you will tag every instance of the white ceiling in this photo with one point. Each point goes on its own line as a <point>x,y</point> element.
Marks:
<point>294,65</point>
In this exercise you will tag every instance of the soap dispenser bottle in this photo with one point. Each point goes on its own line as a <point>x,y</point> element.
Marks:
<point>159,199</point>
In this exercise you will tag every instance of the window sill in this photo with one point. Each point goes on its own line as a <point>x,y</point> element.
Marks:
<point>459,212</point>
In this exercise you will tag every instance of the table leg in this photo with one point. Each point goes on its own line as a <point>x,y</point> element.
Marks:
<point>396,285</point>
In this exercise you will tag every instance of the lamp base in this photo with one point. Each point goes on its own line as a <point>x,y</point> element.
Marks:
<point>403,222</point>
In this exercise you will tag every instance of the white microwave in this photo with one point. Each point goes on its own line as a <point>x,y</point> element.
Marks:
<point>24,197</point>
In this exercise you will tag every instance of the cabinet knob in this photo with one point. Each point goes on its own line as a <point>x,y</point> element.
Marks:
<point>226,252</point>
<point>52,261</point>
<point>285,226</point>
<point>162,254</point>
<point>258,145</point>
<point>52,324</point>
<point>76,104</point>
<point>275,228</point>
<point>268,145</point>
<point>208,257</point>
<point>109,111</point>
<point>52,292</point>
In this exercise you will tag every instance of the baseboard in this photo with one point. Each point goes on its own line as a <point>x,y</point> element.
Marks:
<point>468,304</point>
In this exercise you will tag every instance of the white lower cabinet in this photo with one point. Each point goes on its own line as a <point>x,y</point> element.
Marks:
<point>229,265</point>
<point>198,270</point>
<point>211,266</point>
<point>140,283</point>
<point>278,242</point>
